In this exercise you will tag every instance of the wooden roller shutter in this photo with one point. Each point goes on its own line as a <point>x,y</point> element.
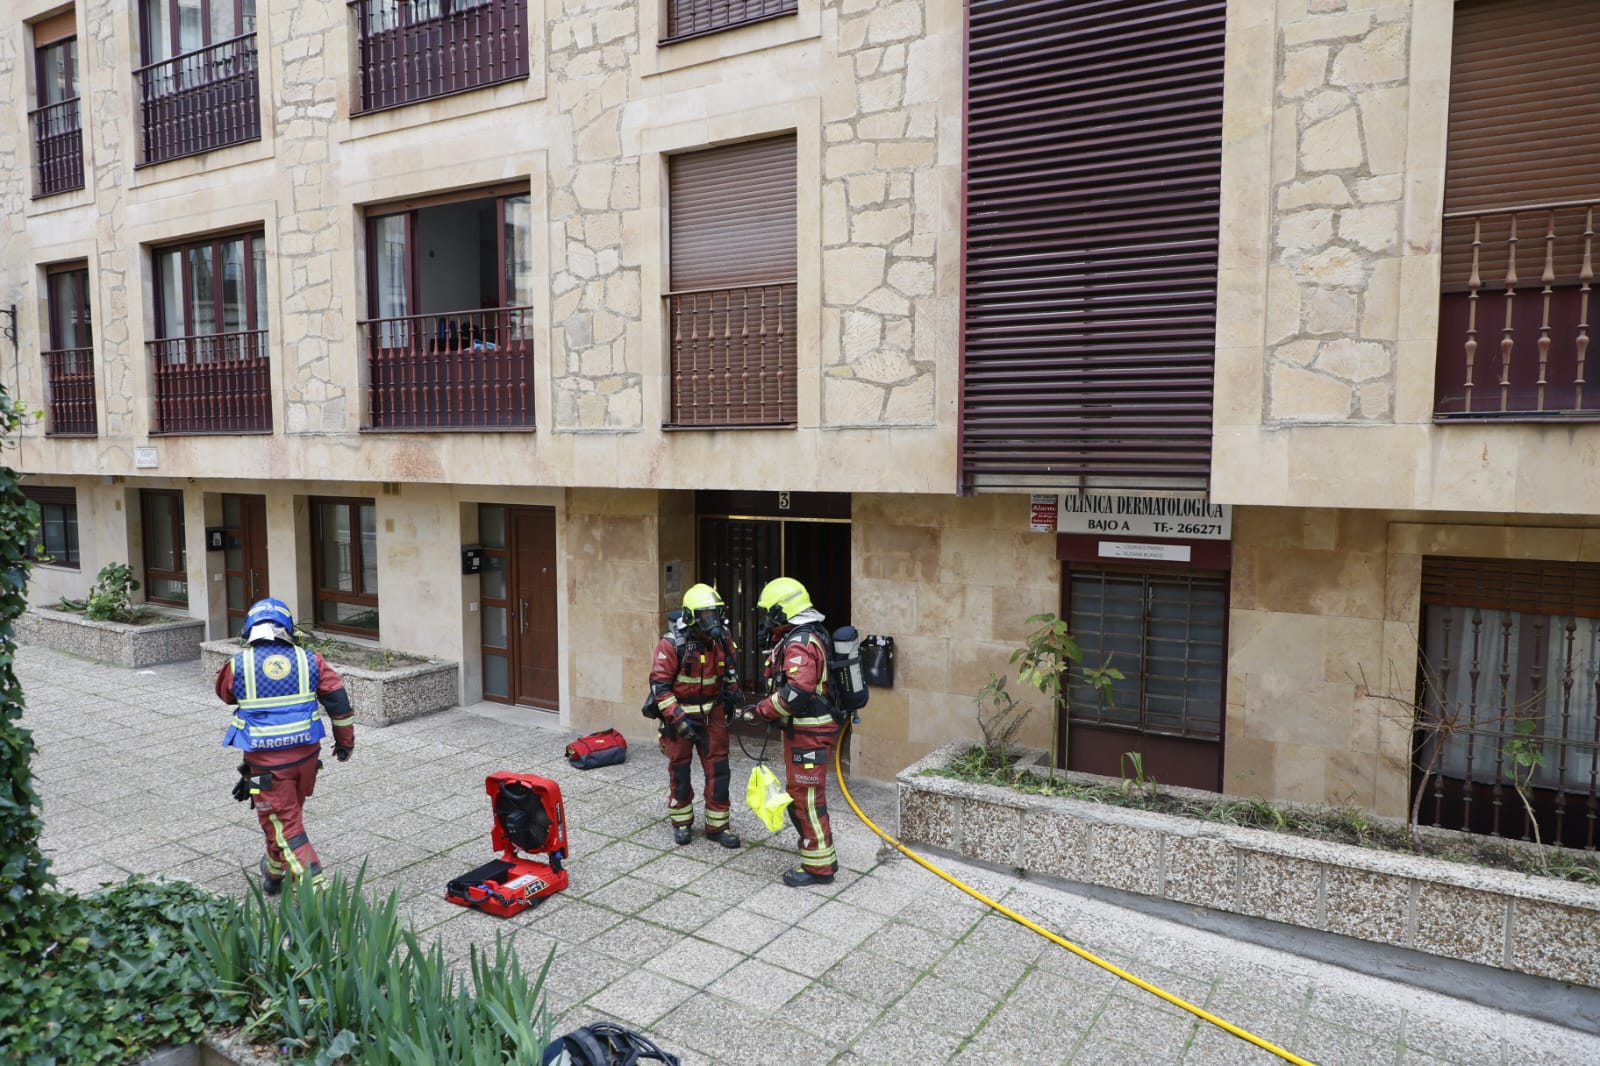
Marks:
<point>1559,589</point>
<point>732,309</point>
<point>692,18</point>
<point>1094,145</point>
<point>1524,93</point>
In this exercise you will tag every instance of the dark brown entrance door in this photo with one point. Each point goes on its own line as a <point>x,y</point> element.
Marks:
<point>534,639</point>
<point>244,520</point>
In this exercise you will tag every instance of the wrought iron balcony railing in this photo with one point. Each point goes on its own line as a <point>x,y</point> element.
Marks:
<point>427,48</point>
<point>1514,331</point>
<point>57,148</point>
<point>69,375</point>
<point>734,354</point>
<point>451,370</point>
<point>216,383</point>
<point>200,100</point>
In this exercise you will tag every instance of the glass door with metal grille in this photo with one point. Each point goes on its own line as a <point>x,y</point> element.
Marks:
<point>1167,633</point>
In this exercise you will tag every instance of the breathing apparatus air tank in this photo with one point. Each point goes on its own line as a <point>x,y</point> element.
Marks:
<point>844,672</point>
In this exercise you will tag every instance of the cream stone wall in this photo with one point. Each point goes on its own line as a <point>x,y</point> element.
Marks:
<point>870,90</point>
<point>1333,184</point>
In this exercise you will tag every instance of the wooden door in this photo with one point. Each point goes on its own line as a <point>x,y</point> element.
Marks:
<point>534,639</point>
<point>244,520</point>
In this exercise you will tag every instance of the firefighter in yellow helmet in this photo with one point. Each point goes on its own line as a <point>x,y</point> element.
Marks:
<point>797,680</point>
<point>693,679</point>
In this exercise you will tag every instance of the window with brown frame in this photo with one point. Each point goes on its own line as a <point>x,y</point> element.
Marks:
<point>344,560</point>
<point>166,557</point>
<point>58,525</point>
<point>57,124</point>
<point>69,360</point>
<point>210,352</point>
<point>1520,200</point>
<point>450,295</point>
<point>731,311</point>
<point>694,18</point>
<point>199,87</point>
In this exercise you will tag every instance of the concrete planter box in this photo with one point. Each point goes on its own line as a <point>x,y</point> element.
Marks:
<point>1515,922</point>
<point>168,639</point>
<point>379,696</point>
<point>212,1050</point>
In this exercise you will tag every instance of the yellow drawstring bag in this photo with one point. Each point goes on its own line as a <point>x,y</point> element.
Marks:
<point>766,796</point>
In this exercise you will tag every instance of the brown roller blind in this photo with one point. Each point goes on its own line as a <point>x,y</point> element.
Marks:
<point>731,215</point>
<point>1531,586</point>
<point>55,28</point>
<point>1094,143</point>
<point>1524,95</point>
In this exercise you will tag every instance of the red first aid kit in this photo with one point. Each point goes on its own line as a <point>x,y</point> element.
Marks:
<point>605,748</point>
<point>528,818</point>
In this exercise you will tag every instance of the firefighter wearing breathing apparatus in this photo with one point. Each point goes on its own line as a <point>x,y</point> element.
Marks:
<point>693,678</point>
<point>797,680</point>
<point>277,688</point>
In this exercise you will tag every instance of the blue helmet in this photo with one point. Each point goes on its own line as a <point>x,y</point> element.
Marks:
<point>268,612</point>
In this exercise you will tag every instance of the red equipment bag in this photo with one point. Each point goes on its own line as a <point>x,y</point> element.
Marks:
<point>528,817</point>
<point>605,748</point>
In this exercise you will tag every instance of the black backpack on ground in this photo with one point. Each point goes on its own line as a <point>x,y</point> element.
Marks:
<point>604,1044</point>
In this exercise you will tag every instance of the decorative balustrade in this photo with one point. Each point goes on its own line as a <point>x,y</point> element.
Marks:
<point>200,100</point>
<point>69,375</point>
<point>216,383</point>
<point>1514,329</point>
<point>734,354</point>
<point>426,48</point>
<point>451,370</point>
<point>57,148</point>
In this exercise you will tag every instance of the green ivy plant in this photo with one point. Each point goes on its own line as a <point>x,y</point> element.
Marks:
<point>24,871</point>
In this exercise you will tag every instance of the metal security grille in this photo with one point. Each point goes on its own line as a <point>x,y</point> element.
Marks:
<point>1519,216</point>
<point>732,312</point>
<point>691,18</point>
<point>1166,633</point>
<point>1094,145</point>
<point>1511,652</point>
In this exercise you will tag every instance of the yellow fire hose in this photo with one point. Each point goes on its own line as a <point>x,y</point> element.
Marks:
<point>1198,1012</point>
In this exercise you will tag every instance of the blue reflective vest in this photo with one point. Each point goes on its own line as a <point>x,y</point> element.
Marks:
<point>275,685</point>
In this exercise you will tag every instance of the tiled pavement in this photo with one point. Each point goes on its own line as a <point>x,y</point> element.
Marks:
<point>700,946</point>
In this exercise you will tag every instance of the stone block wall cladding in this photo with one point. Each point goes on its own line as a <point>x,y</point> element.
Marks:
<point>112,642</point>
<point>1338,182</point>
<point>1530,925</point>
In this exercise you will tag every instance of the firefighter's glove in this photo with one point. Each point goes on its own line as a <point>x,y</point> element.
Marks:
<point>686,728</point>
<point>342,752</point>
<point>241,790</point>
<point>747,713</point>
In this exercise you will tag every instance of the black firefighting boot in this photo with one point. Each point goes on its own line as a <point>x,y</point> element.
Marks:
<point>799,877</point>
<point>269,885</point>
<point>682,834</point>
<point>726,837</point>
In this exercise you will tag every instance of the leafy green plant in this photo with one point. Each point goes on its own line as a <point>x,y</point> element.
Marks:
<point>1046,657</point>
<point>24,871</point>
<point>334,974</point>
<point>1525,758</point>
<point>114,979</point>
<point>1136,783</point>
<point>999,719</point>
<point>111,595</point>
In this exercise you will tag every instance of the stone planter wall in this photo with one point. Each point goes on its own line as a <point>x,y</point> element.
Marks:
<point>169,640</point>
<point>380,697</point>
<point>1532,925</point>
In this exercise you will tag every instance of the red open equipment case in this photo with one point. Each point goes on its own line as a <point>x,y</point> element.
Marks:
<point>528,818</point>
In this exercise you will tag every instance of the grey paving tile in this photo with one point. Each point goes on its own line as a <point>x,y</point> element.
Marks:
<point>1334,1045</point>
<point>760,985</point>
<point>893,1039</point>
<point>694,962</point>
<point>626,895</point>
<point>637,997</point>
<point>909,945</point>
<point>953,920</point>
<point>1050,995</point>
<point>944,1005</point>
<point>986,972</point>
<point>1145,1023</point>
<point>835,1015</point>
<point>634,941</point>
<point>1100,1051</point>
<point>843,921</point>
<point>804,952</point>
<point>683,911</point>
<point>1025,1036</point>
<point>872,979</point>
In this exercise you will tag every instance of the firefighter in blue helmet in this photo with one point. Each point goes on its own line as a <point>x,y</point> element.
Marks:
<point>280,691</point>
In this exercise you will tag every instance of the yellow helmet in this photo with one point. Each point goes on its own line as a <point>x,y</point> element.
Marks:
<point>700,597</point>
<point>782,599</point>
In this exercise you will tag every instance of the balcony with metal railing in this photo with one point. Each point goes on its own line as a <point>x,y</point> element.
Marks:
<point>200,100</point>
<point>213,383</point>
<point>695,18</point>
<point>451,370</point>
<point>69,377</point>
<point>734,356</point>
<point>57,148</point>
<point>1514,329</point>
<point>422,49</point>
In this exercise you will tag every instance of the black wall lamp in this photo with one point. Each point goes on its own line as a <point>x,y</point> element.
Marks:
<point>11,330</point>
